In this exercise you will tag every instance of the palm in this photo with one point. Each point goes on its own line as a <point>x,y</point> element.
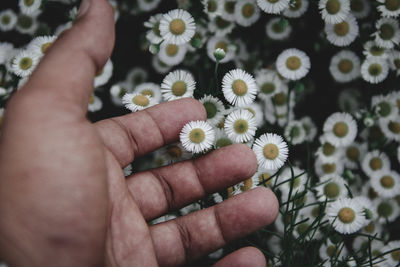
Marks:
<point>62,188</point>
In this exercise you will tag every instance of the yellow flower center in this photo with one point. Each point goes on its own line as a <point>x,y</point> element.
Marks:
<point>331,251</point>
<point>179,88</point>
<point>25,63</point>
<point>29,2</point>
<point>211,109</point>
<point>5,19</point>
<point>396,255</point>
<point>329,168</point>
<point>177,26</point>
<point>174,151</point>
<point>268,88</point>
<point>171,50</point>
<point>280,99</point>
<point>357,5</point>
<point>197,135</point>
<point>346,215</point>
<point>333,6</point>
<point>273,1</point>
<point>394,127</point>
<point>331,190</point>
<point>386,31</point>
<point>296,5</point>
<point>328,149</point>
<point>385,209</point>
<point>387,181</point>
<point>370,228</point>
<point>353,153</point>
<point>376,50</point>
<point>140,100</point>
<point>345,66</point>
<point>376,164</point>
<point>263,178</point>
<point>45,47</point>
<point>271,151</point>
<point>239,87</point>
<point>247,184</point>
<point>340,129</point>
<point>211,6</point>
<point>248,10</point>
<point>240,126</point>
<point>223,142</point>
<point>392,5</point>
<point>341,29</point>
<point>222,45</point>
<point>375,69</point>
<point>147,92</point>
<point>91,99</point>
<point>230,6</point>
<point>293,63</point>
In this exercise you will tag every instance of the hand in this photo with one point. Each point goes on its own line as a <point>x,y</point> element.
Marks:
<point>64,200</point>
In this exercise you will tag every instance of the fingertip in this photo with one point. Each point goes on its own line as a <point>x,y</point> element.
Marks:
<point>247,256</point>
<point>265,205</point>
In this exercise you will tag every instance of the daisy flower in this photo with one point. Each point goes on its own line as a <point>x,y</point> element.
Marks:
<point>228,9</point>
<point>386,184</point>
<point>223,43</point>
<point>239,87</point>
<point>332,251</point>
<point>256,110</point>
<point>296,9</point>
<point>293,64</point>
<point>271,151</point>
<point>159,66</point>
<point>360,8</point>
<point>8,19</point>
<point>345,66</point>
<point>392,258</point>
<point>212,8</point>
<point>386,106</point>
<point>388,210</point>
<point>26,24</point>
<point>240,126</point>
<point>264,176</point>
<point>95,103</point>
<point>295,133</point>
<point>353,154</point>
<point>117,92</point>
<point>220,26</point>
<point>136,76</point>
<point>177,27</point>
<point>347,215</point>
<point>390,8</point>
<point>248,184</point>
<point>178,84</point>
<point>391,129</point>
<point>214,108</point>
<point>309,127</point>
<point>375,162</point>
<point>222,139</point>
<point>148,5</point>
<point>104,74</point>
<point>246,12</point>
<point>153,35</point>
<point>269,84</point>
<point>296,183</point>
<point>197,136</point>
<point>135,101</point>
<point>6,52</point>
<point>342,33</point>
<point>276,30</point>
<point>388,33</point>
<point>273,6</point>
<point>334,11</point>
<point>331,187</point>
<point>374,70</point>
<point>372,50</point>
<point>29,6</point>
<point>41,44</point>
<point>340,129</point>
<point>24,63</point>
<point>328,166</point>
<point>150,89</point>
<point>327,151</point>
<point>394,61</point>
<point>172,54</point>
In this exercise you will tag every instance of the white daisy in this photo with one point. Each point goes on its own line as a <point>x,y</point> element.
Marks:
<point>273,6</point>
<point>354,153</point>
<point>153,35</point>
<point>240,126</point>
<point>293,64</point>
<point>41,44</point>
<point>8,19</point>
<point>347,215</point>
<point>197,136</point>
<point>388,33</point>
<point>391,129</point>
<point>222,139</point>
<point>220,26</point>
<point>340,129</point>
<point>228,9</point>
<point>375,162</point>
<point>385,106</point>
<point>148,5</point>
<point>327,151</point>
<point>214,109</point>
<point>177,27</point>
<point>294,132</point>
<point>388,210</point>
<point>159,66</point>
<point>390,8</point>
<point>150,89</point>
<point>349,100</point>
<point>136,76</point>
<point>296,8</point>
<point>276,30</point>
<point>328,167</point>
<point>309,127</point>
<point>345,66</point>
<point>136,101</point>
<point>117,92</point>
<point>271,151</point>
<point>360,8</point>
<point>392,258</point>
<point>331,187</point>
<point>29,6</point>
<point>374,70</point>
<point>24,63</point>
<point>223,43</point>
<point>330,251</point>
<point>246,12</point>
<point>178,84</point>
<point>248,184</point>
<point>172,54</point>
<point>372,50</point>
<point>212,8</point>
<point>95,103</point>
<point>256,110</point>
<point>104,75</point>
<point>295,183</point>
<point>334,11</point>
<point>269,84</point>
<point>342,33</point>
<point>26,24</point>
<point>239,87</point>
<point>386,183</point>
<point>394,61</point>
<point>6,52</point>
<point>264,177</point>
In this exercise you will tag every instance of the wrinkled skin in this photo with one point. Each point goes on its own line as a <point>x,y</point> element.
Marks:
<point>64,200</point>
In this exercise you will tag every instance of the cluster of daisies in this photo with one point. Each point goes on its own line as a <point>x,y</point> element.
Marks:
<point>339,199</point>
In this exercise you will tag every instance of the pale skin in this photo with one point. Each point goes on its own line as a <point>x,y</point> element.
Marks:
<point>64,200</point>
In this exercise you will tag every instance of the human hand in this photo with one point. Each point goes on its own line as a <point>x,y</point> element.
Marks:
<point>64,200</point>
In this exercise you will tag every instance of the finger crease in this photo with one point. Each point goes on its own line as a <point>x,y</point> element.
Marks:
<point>219,224</point>
<point>164,141</point>
<point>167,188</point>
<point>198,175</point>
<point>186,239</point>
<point>131,138</point>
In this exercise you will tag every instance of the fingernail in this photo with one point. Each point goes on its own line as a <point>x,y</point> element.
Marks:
<point>83,8</point>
